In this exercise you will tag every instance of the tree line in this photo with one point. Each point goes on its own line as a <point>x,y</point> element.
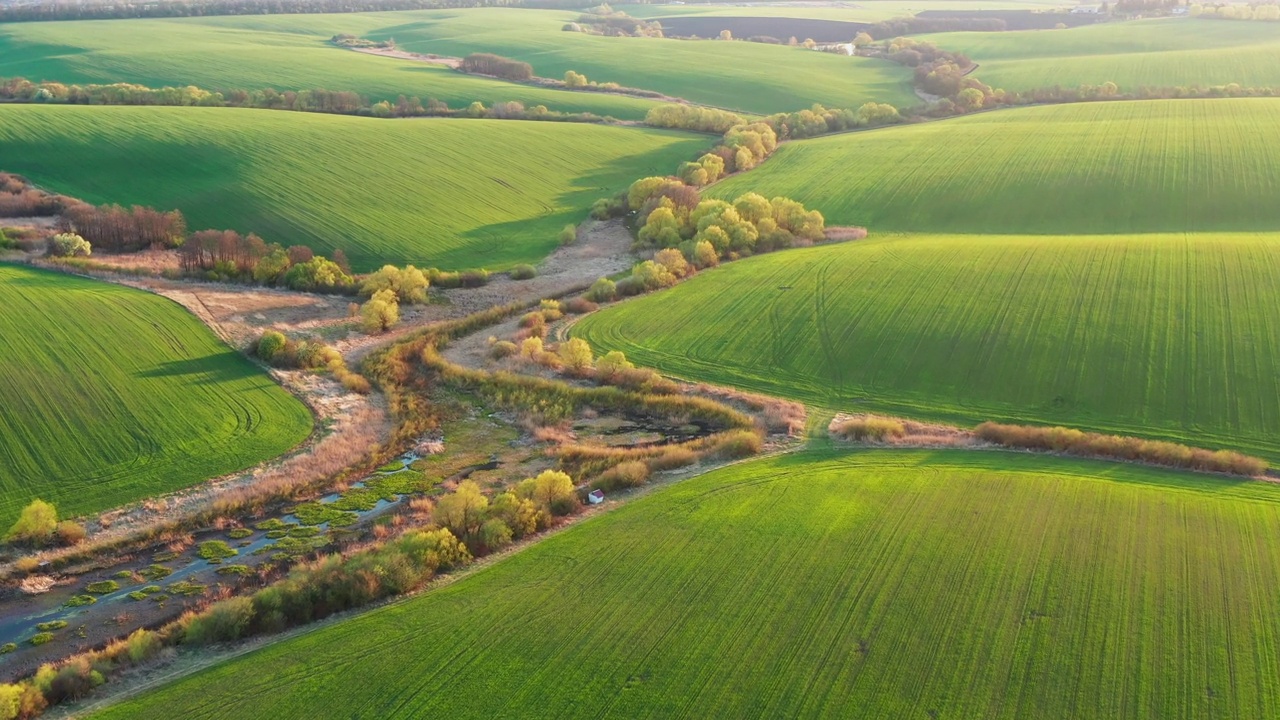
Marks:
<point>811,122</point>
<point>43,11</point>
<point>338,102</point>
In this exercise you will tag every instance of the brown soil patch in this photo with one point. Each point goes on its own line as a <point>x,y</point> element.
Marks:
<point>449,62</point>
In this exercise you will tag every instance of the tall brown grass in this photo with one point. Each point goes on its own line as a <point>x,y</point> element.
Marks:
<point>1088,444</point>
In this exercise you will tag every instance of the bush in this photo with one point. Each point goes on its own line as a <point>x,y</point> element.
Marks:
<point>497,66</point>
<point>409,285</point>
<point>224,621</point>
<point>577,355</point>
<point>877,429</point>
<point>737,444</point>
<point>523,272</point>
<point>380,313</point>
<point>473,278</point>
<point>270,345</point>
<point>672,457</point>
<point>142,645</point>
<point>215,551</point>
<point>503,349</point>
<point>41,638</point>
<point>36,524</point>
<point>580,306</point>
<point>70,533</point>
<point>102,587</point>
<point>69,245</point>
<point>629,474</point>
<point>602,290</point>
<point>73,681</point>
<point>551,490</point>
<point>568,234</point>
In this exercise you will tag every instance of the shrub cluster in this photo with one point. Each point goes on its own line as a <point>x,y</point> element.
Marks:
<point>226,255</point>
<point>273,348</point>
<point>497,66</point>
<point>111,227</point>
<point>870,427</point>
<point>1087,444</point>
<point>19,199</point>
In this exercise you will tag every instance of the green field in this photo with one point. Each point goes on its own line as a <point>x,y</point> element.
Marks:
<point>863,11</point>
<point>113,395</point>
<point>1174,336</point>
<point>873,584</point>
<point>1158,53</point>
<point>291,51</point>
<point>444,193</point>
<point>1117,167</point>
<point>286,52</point>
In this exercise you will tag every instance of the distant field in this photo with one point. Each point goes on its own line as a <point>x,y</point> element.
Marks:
<point>873,584</point>
<point>112,395</point>
<point>863,11</point>
<point>290,51</point>
<point>1119,167</point>
<point>1171,336</point>
<point>445,193</point>
<point>285,52</point>
<point>750,77</point>
<point>1168,52</point>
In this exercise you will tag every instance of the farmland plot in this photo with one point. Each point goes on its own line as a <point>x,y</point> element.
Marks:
<point>444,193</point>
<point>286,52</point>
<point>872,584</point>
<point>1169,336</point>
<point>291,52</point>
<point>1155,53</point>
<point>1118,167</point>
<point>112,395</point>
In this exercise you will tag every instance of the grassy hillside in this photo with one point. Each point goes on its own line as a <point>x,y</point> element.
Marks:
<point>448,193</point>
<point>1162,335</point>
<point>865,11</point>
<point>287,52</point>
<point>112,395</point>
<point>1170,52</point>
<point>1158,166</point>
<point>877,584</point>
<point>290,51</point>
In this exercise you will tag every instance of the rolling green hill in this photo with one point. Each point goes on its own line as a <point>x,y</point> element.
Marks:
<point>112,395</point>
<point>1157,53</point>
<point>445,193</point>
<point>1116,167</point>
<point>873,584</point>
<point>290,51</point>
<point>285,52</point>
<point>1170,336</point>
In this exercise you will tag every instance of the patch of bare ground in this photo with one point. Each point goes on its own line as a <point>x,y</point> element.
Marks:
<point>430,58</point>
<point>155,261</point>
<point>602,248</point>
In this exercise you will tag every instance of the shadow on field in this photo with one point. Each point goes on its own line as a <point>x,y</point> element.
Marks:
<point>222,367</point>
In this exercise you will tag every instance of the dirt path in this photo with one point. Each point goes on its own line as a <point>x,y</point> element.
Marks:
<point>449,62</point>
<point>602,248</point>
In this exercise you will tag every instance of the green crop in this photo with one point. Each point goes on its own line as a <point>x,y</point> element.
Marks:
<point>112,395</point>
<point>824,584</point>
<point>1166,336</point>
<point>444,193</point>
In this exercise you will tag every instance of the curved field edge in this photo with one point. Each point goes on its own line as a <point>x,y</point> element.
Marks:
<point>112,395</point>
<point>292,52</point>
<point>1165,336</point>
<point>432,192</point>
<point>1104,168</point>
<point>885,583</point>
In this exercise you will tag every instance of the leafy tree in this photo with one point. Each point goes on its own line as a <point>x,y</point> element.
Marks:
<point>271,268</point>
<point>462,511</point>
<point>612,363</point>
<point>551,490</point>
<point>317,274</point>
<point>862,39</point>
<point>495,534</point>
<point>577,355</point>
<point>575,80</point>
<point>652,276</point>
<point>704,254</point>
<point>380,313</point>
<point>69,245</point>
<point>753,207</point>
<point>673,260</point>
<point>36,524</point>
<point>661,229</point>
<point>602,290</point>
<point>270,345</point>
<point>408,285</point>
